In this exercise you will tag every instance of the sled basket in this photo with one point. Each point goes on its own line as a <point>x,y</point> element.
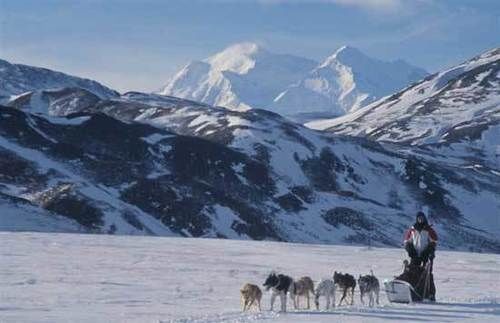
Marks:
<point>398,291</point>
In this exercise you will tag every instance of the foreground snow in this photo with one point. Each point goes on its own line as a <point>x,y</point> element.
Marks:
<point>99,278</point>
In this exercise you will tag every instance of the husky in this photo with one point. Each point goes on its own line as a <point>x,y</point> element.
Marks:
<point>280,285</point>
<point>302,287</point>
<point>369,284</point>
<point>345,282</point>
<point>326,287</point>
<point>250,294</point>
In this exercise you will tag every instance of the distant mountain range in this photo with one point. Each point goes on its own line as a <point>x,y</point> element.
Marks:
<point>78,159</point>
<point>452,114</point>
<point>248,76</point>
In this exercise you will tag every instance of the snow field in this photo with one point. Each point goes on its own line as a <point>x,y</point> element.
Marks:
<point>99,278</point>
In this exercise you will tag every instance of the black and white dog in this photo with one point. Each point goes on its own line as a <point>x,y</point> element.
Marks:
<point>345,282</point>
<point>369,284</point>
<point>280,285</point>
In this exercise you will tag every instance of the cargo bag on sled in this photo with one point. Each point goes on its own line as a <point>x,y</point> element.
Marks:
<point>415,284</point>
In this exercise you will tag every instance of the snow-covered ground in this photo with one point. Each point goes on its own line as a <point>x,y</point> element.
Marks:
<point>100,278</point>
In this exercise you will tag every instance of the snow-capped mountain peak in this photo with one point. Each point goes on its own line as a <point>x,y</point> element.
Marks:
<point>246,75</point>
<point>346,81</point>
<point>242,76</point>
<point>238,58</point>
<point>344,53</point>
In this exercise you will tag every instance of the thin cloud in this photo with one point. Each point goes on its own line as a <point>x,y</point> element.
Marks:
<point>371,5</point>
<point>378,5</point>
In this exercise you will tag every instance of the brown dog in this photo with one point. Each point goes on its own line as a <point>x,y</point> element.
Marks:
<point>249,294</point>
<point>302,287</point>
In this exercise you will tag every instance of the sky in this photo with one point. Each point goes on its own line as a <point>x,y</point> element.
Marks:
<point>138,45</point>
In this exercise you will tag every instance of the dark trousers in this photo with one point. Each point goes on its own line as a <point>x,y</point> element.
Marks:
<point>416,260</point>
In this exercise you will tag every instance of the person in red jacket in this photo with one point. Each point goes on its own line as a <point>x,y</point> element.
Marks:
<point>420,241</point>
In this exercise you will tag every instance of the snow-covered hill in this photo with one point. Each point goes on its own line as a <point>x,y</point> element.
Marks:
<point>344,82</point>
<point>242,76</point>
<point>247,76</point>
<point>454,113</point>
<point>239,175</point>
<point>16,79</point>
<point>86,278</point>
<point>152,164</point>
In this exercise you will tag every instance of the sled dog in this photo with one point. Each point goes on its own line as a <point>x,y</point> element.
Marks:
<point>280,285</point>
<point>345,282</point>
<point>369,284</point>
<point>302,287</point>
<point>249,295</point>
<point>326,288</point>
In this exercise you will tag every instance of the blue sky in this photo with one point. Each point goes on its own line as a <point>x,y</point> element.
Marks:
<point>138,44</point>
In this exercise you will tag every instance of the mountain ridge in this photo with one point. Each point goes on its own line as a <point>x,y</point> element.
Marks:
<point>16,79</point>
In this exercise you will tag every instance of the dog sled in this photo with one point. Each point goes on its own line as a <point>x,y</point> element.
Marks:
<point>415,284</point>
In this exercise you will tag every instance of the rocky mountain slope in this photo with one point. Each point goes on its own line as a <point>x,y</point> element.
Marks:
<point>151,164</point>
<point>454,114</point>
<point>248,76</point>
<point>113,177</point>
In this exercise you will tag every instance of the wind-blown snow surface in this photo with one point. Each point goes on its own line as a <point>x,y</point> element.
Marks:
<point>246,76</point>
<point>88,278</point>
<point>455,112</point>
